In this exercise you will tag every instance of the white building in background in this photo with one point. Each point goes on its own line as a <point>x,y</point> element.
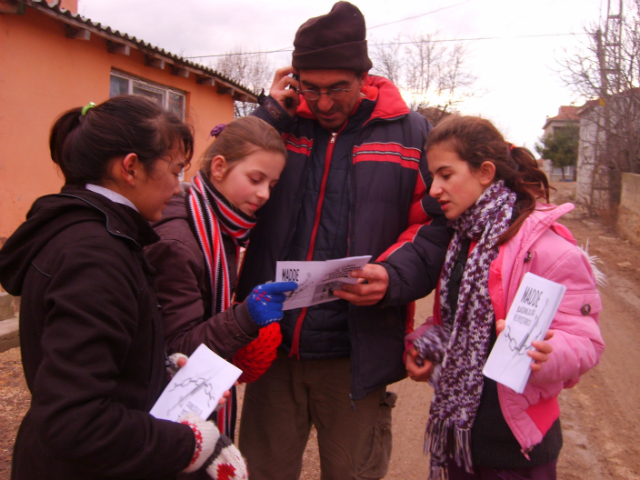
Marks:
<point>567,115</point>
<point>591,137</point>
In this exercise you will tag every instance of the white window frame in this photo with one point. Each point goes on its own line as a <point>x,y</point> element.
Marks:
<point>154,87</point>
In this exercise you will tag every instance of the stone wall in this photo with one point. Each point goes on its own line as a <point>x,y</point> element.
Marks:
<point>629,211</point>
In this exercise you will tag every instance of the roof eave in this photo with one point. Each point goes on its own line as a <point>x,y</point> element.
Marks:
<point>204,75</point>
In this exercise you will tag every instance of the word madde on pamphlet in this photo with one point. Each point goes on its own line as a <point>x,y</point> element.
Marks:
<point>197,386</point>
<point>529,317</point>
<point>317,280</point>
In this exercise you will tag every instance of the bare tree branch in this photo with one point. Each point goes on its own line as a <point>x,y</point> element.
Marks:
<point>606,69</point>
<point>254,71</point>
<point>433,75</point>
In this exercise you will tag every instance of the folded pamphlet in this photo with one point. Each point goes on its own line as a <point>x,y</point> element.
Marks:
<point>529,317</point>
<point>197,386</point>
<point>317,280</point>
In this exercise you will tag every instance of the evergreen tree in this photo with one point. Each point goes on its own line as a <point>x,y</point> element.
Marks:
<point>561,147</point>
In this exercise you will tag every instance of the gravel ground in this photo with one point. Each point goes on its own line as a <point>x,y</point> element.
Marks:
<point>600,417</point>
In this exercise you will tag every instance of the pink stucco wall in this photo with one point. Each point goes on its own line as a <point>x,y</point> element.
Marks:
<point>42,74</point>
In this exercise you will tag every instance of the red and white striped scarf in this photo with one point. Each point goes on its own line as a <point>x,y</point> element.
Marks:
<point>212,215</point>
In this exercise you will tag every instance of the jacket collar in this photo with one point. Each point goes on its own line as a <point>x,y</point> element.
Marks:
<point>389,102</point>
<point>52,214</point>
<point>120,220</point>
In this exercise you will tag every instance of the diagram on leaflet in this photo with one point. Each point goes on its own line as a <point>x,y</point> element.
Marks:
<point>317,280</point>
<point>197,387</point>
<point>530,315</point>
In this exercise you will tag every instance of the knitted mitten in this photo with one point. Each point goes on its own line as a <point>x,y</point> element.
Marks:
<point>214,453</point>
<point>172,364</point>
<point>226,462</point>
<point>255,358</point>
<point>207,436</point>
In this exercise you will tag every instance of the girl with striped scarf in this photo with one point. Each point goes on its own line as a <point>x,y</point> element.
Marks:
<point>196,261</point>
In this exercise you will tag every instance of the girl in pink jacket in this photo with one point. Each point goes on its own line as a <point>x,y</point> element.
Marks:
<point>492,194</point>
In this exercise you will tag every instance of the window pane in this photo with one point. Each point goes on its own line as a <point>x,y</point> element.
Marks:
<point>118,86</point>
<point>176,104</point>
<point>149,93</point>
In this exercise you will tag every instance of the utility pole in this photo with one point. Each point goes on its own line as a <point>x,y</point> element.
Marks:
<point>613,47</point>
<point>608,49</point>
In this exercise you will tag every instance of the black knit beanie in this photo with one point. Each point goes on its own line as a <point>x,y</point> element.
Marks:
<point>333,41</point>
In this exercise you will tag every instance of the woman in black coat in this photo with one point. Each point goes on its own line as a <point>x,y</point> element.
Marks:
<point>90,327</point>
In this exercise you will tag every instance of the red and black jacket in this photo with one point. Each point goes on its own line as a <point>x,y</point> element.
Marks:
<point>391,217</point>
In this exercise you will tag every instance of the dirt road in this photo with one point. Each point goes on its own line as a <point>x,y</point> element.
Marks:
<point>600,417</point>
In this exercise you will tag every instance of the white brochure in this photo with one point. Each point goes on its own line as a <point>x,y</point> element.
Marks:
<point>529,317</point>
<point>317,280</point>
<point>197,386</point>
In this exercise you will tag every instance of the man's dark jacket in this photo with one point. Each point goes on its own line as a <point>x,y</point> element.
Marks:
<point>92,344</point>
<point>391,217</point>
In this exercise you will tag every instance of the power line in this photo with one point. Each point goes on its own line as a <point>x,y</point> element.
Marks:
<point>239,54</point>
<point>418,16</point>
<point>472,39</point>
<point>288,49</point>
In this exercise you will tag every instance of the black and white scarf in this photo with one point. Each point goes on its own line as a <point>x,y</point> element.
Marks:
<point>212,215</point>
<point>459,347</point>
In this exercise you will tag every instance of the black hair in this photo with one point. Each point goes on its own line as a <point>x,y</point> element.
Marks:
<point>84,145</point>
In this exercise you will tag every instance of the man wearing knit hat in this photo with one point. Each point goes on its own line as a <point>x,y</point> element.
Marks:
<point>355,183</point>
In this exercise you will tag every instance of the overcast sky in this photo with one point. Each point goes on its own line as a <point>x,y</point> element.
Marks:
<point>519,75</point>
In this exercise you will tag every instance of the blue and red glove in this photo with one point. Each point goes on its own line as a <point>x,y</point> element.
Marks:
<point>265,302</point>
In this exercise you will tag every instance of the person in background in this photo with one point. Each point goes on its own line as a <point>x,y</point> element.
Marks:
<point>496,199</point>
<point>91,335</point>
<point>201,233</point>
<point>355,184</point>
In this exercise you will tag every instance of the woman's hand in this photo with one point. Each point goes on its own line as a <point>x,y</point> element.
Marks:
<point>417,372</point>
<point>542,349</point>
<point>541,352</point>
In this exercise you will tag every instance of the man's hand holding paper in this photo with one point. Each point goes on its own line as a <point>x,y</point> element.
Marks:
<point>373,281</point>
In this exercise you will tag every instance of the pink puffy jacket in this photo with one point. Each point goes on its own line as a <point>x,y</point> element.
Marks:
<point>547,249</point>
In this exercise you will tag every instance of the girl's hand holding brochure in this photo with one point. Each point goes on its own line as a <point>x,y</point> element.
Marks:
<point>542,349</point>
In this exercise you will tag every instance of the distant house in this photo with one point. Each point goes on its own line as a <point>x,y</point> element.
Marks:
<point>567,115</point>
<point>609,146</point>
<point>52,59</point>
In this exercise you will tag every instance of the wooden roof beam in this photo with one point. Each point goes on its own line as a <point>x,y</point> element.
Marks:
<point>180,72</point>
<point>210,81</point>
<point>154,62</point>
<point>77,33</point>
<point>118,48</point>
<point>225,88</point>
<point>12,6</point>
